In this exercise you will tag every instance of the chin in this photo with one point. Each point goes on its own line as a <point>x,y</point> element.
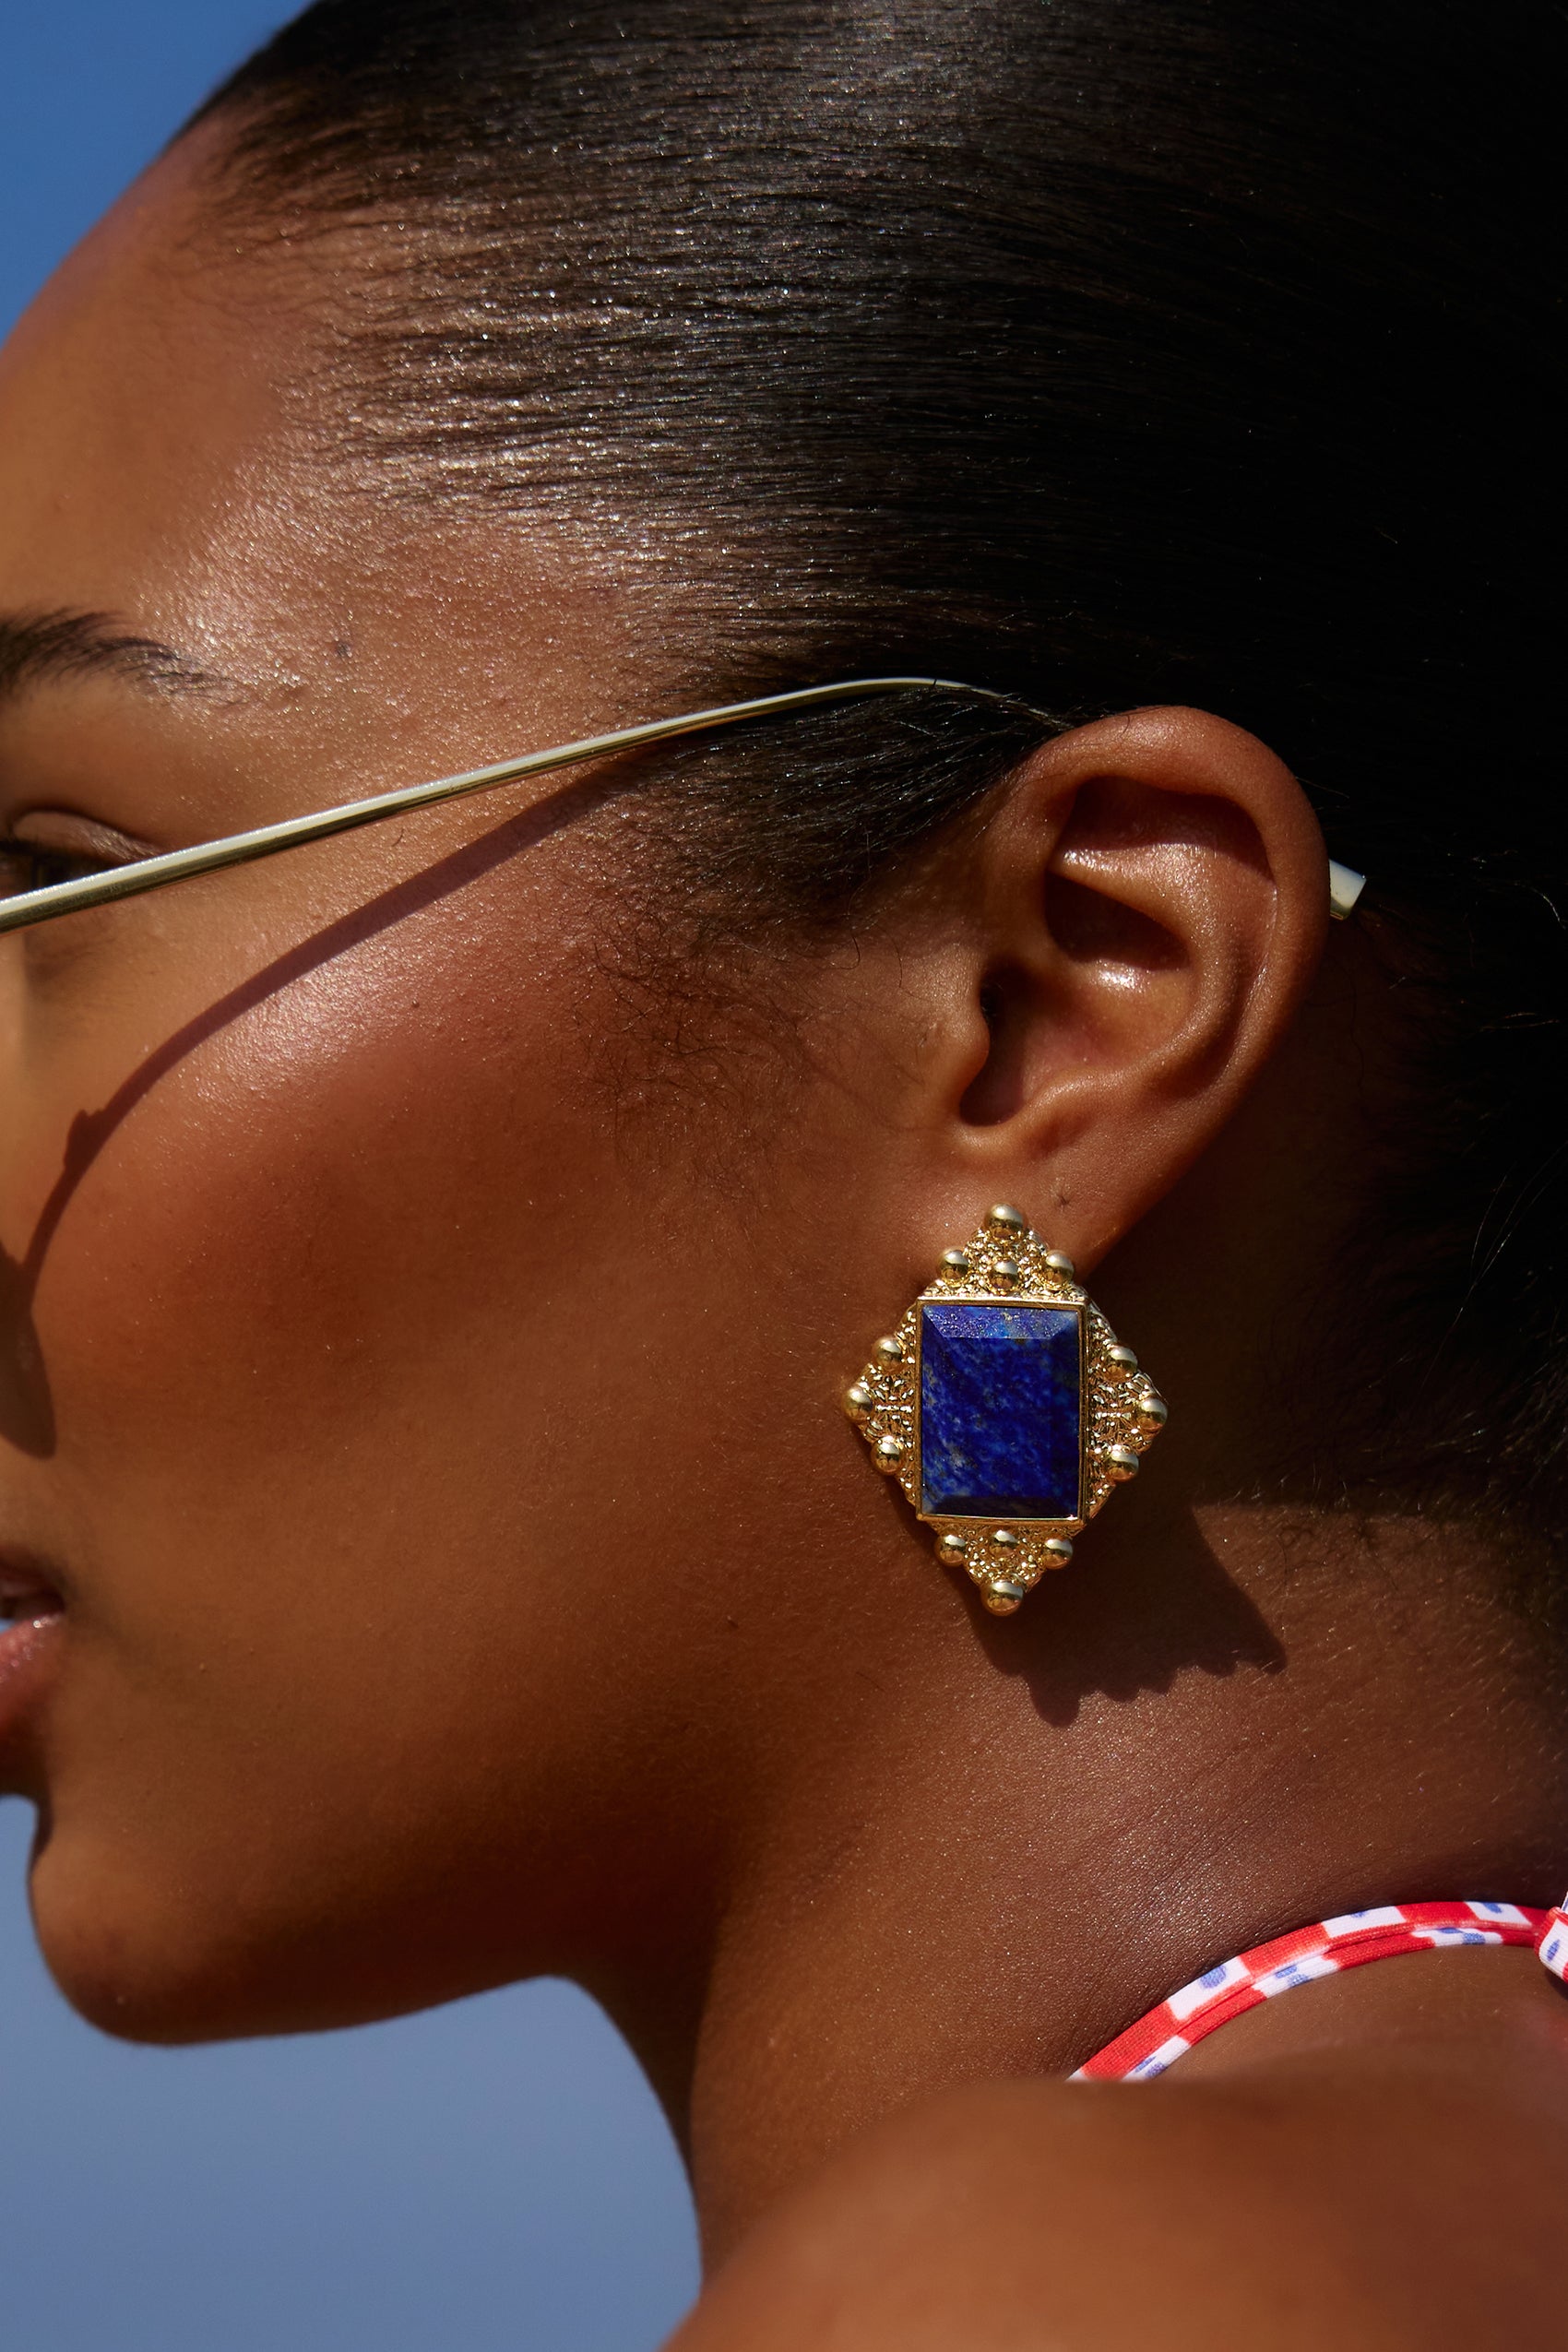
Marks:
<point>147,1954</point>
<point>144,1976</point>
<point>153,1947</point>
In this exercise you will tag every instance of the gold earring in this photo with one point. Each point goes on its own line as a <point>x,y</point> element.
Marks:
<point>1006,1408</point>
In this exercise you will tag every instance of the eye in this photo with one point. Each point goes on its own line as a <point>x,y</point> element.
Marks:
<point>42,850</point>
<point>24,866</point>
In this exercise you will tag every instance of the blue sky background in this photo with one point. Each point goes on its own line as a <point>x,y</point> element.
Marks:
<point>491,2178</point>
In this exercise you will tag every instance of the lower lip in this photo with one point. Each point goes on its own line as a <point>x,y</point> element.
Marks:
<point>27,1650</point>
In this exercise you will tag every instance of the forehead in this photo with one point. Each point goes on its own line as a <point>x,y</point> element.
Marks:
<point>168,459</point>
<point>144,433</point>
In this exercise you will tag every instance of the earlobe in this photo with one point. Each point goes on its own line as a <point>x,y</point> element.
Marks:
<point>1154,896</point>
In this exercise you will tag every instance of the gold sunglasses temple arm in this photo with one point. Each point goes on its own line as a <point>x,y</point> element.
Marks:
<point>242,849</point>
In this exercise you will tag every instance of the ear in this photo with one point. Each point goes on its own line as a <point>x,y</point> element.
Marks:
<point>1147,903</point>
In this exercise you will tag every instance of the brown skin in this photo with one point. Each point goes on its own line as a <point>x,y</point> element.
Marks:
<point>1393,2179</point>
<point>422,1388</point>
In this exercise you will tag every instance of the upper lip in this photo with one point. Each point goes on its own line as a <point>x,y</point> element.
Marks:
<point>26,1589</point>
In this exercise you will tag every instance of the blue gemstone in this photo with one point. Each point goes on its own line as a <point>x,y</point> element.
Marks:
<point>1000,1401</point>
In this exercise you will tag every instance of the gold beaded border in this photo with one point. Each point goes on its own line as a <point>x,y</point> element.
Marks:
<point>1122,1412</point>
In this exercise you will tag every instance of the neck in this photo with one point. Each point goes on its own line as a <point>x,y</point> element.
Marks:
<point>993,1856</point>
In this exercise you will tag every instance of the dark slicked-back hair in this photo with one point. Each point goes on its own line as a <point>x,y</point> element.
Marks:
<point>1104,351</point>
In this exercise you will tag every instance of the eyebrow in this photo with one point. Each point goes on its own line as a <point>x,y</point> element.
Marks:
<point>39,649</point>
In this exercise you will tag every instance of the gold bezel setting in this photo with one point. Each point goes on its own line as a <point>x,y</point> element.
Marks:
<point>1120,1410</point>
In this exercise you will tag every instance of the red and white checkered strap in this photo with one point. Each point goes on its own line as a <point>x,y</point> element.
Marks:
<point>1212,1999</point>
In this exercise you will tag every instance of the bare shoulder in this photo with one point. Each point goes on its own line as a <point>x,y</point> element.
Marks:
<point>1307,2202</point>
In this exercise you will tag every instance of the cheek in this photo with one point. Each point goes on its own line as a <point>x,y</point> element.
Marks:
<point>295,1228</point>
<point>323,1390</point>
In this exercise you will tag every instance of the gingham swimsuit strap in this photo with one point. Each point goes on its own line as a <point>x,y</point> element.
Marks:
<point>1349,1941</point>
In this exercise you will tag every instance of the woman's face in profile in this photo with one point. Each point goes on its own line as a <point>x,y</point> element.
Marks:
<point>433,1263</point>
<point>383,1299</point>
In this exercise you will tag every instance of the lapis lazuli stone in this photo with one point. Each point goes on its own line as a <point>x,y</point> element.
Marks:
<point>1001,1394</point>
